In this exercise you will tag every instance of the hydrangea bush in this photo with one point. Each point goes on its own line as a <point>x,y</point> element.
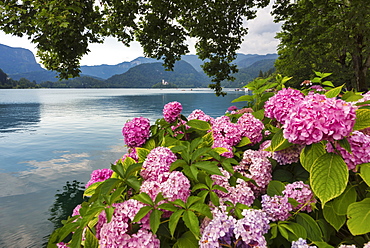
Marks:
<point>292,169</point>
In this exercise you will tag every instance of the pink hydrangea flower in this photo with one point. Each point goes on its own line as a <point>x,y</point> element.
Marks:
<point>99,175</point>
<point>157,162</point>
<point>171,111</point>
<point>276,207</point>
<point>118,232</point>
<point>225,134</point>
<point>199,115</point>
<point>302,193</point>
<point>257,166</point>
<point>279,105</point>
<point>174,185</point>
<point>360,148</point>
<point>319,118</point>
<point>226,230</point>
<point>241,193</point>
<point>136,131</point>
<point>251,127</point>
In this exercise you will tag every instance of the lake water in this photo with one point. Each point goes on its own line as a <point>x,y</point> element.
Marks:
<point>52,137</point>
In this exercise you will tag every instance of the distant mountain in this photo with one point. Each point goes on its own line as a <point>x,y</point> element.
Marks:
<point>246,75</point>
<point>20,63</point>
<point>37,76</point>
<point>149,74</point>
<point>17,60</point>
<point>246,60</point>
<point>106,71</point>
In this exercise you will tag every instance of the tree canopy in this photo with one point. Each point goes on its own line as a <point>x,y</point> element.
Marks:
<point>327,36</point>
<point>62,29</point>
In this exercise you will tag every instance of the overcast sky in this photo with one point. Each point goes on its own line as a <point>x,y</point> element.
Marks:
<point>260,40</point>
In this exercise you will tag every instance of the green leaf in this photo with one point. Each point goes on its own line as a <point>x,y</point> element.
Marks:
<point>144,198</point>
<point>334,92</point>
<point>328,177</point>
<point>133,169</point>
<point>199,186</point>
<point>220,150</point>
<point>351,96</point>
<point>199,152</point>
<point>198,124</point>
<point>134,183</point>
<point>362,119</point>
<point>275,188</point>
<point>108,185</point>
<point>150,143</point>
<point>322,244</point>
<point>310,154</point>
<point>245,141</point>
<point>192,222</point>
<point>159,198</point>
<point>203,209</point>
<point>142,153</point>
<point>174,219</point>
<point>191,200</point>
<point>292,231</point>
<point>155,220</point>
<point>247,98</point>
<point>187,240</point>
<point>180,203</point>
<point>341,203</point>
<point>365,173</point>
<point>209,166</point>
<point>260,114</point>
<point>178,163</point>
<point>332,217</point>
<point>214,198</point>
<point>345,144</point>
<point>91,189</point>
<point>168,206</point>
<point>328,83</point>
<point>109,213</point>
<point>312,228</point>
<point>208,139</point>
<point>278,142</point>
<point>359,217</point>
<point>90,239</point>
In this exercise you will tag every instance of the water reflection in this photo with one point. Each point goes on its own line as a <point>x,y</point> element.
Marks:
<point>65,201</point>
<point>14,117</point>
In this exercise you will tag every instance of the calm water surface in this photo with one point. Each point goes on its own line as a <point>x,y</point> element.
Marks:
<point>49,137</point>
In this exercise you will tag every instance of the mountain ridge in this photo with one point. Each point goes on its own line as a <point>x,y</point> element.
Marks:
<point>20,63</point>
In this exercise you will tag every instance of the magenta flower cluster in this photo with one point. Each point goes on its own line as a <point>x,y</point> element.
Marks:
<point>279,105</point>
<point>276,207</point>
<point>251,127</point>
<point>286,156</point>
<point>224,230</point>
<point>360,150</point>
<point>172,111</point>
<point>317,118</point>
<point>136,131</point>
<point>302,193</point>
<point>157,162</point>
<point>158,178</point>
<point>227,134</point>
<point>301,243</point>
<point>174,185</point>
<point>199,115</point>
<point>257,166</point>
<point>119,233</point>
<point>241,193</point>
<point>99,175</point>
